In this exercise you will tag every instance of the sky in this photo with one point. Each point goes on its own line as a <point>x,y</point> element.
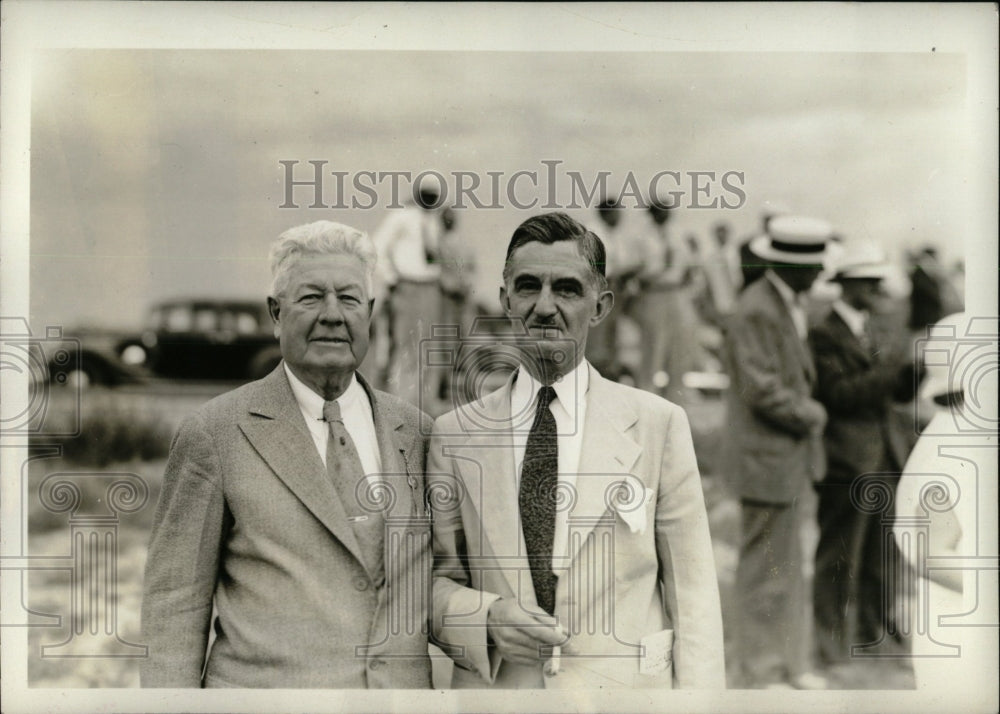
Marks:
<point>155,173</point>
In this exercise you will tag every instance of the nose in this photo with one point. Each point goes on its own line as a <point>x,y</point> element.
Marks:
<point>330,312</point>
<point>545,305</point>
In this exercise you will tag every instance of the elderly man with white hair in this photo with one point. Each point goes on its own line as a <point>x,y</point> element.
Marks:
<point>291,524</point>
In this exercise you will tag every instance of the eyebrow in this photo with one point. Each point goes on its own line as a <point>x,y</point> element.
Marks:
<point>324,288</point>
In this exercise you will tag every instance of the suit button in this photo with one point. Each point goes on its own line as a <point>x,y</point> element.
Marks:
<point>360,584</point>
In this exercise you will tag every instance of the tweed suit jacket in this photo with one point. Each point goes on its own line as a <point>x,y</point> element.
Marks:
<point>250,524</point>
<point>770,450</point>
<point>635,568</point>
<point>857,391</point>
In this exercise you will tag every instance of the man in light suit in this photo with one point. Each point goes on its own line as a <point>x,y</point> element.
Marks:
<point>858,380</point>
<point>774,450</point>
<point>570,535</point>
<point>293,506</point>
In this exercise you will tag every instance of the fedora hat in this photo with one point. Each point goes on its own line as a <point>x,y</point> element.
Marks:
<point>795,240</point>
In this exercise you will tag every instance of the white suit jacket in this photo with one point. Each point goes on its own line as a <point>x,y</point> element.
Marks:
<point>637,590</point>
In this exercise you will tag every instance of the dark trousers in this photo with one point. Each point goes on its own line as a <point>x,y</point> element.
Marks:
<point>855,593</point>
<point>771,593</point>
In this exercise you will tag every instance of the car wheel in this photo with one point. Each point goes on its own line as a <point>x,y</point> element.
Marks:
<point>75,379</point>
<point>134,354</point>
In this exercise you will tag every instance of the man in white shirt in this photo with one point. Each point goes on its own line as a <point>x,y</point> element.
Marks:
<point>571,540</point>
<point>409,272</point>
<point>291,522</point>
<point>664,307</point>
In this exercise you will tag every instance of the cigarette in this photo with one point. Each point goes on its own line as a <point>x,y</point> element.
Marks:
<point>552,666</point>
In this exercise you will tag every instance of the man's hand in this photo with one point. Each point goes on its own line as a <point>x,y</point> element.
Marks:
<point>815,416</point>
<point>522,637</point>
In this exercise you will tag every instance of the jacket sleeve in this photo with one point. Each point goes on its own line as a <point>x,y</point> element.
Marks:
<point>762,386</point>
<point>183,561</point>
<point>687,564</point>
<point>458,617</point>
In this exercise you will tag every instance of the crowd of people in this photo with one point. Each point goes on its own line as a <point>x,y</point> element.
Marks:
<point>276,557</point>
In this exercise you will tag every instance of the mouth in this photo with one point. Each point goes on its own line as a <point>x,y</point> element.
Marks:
<point>331,340</point>
<point>545,331</point>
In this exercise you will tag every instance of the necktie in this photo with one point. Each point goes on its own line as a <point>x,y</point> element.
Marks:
<point>348,475</point>
<point>537,499</point>
<point>865,338</point>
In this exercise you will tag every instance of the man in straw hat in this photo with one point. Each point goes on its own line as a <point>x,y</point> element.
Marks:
<point>857,382</point>
<point>774,450</point>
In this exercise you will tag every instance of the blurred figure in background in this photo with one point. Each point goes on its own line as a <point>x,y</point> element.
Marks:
<point>858,379</point>
<point>720,265</point>
<point>457,273</point>
<point>663,308</point>
<point>408,244</point>
<point>932,295</point>
<point>458,267</point>
<point>775,451</point>
<point>624,262</point>
<point>942,503</point>
<point>751,266</point>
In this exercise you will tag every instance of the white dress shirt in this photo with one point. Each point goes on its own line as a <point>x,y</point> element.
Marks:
<point>402,241</point>
<point>569,408</point>
<point>665,257</point>
<point>792,301</point>
<point>359,420</point>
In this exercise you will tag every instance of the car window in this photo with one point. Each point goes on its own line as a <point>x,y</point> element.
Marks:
<point>247,324</point>
<point>206,320</point>
<point>178,319</point>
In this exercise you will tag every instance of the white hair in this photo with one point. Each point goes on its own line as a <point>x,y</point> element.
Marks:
<point>319,238</point>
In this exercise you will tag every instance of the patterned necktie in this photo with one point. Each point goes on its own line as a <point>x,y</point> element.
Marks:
<point>537,499</point>
<point>348,475</point>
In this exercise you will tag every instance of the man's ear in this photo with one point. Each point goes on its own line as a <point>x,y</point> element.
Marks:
<point>273,308</point>
<point>504,300</point>
<point>605,303</point>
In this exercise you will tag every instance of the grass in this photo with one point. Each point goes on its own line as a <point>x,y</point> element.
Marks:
<point>100,427</point>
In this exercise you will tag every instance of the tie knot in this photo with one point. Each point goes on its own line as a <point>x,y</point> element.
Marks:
<point>545,396</point>
<point>331,411</point>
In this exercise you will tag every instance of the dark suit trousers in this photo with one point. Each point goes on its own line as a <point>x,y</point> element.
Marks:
<point>854,588</point>
<point>770,587</point>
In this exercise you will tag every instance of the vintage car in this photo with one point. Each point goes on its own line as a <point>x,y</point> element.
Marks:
<point>205,339</point>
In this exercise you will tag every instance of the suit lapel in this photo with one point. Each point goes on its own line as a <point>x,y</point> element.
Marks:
<point>608,455</point>
<point>395,451</point>
<point>492,487</point>
<point>847,339</point>
<point>788,325</point>
<point>277,430</point>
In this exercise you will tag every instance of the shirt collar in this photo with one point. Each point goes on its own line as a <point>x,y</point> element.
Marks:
<point>312,403</point>
<point>855,319</point>
<point>569,389</point>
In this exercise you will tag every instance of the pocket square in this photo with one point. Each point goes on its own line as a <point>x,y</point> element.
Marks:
<point>633,510</point>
